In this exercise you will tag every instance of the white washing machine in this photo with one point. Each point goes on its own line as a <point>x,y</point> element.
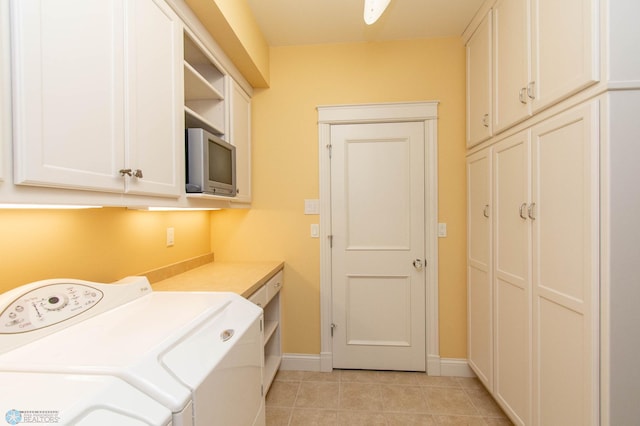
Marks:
<point>199,354</point>
<point>80,400</point>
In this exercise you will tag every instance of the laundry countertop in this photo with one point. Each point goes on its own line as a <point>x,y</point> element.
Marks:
<point>243,278</point>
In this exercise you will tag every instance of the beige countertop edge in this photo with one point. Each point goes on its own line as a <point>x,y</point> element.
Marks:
<point>243,278</point>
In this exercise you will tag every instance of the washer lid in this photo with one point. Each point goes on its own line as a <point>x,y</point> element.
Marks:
<point>129,341</point>
<point>76,399</point>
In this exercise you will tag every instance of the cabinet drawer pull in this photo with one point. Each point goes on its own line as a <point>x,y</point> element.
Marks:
<point>485,120</point>
<point>523,95</point>
<point>531,89</point>
<point>128,172</point>
<point>485,211</point>
<point>532,211</point>
<point>523,210</point>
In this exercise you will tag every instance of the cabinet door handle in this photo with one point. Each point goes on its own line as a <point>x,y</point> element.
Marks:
<point>523,95</point>
<point>532,211</point>
<point>523,210</point>
<point>531,89</point>
<point>485,211</point>
<point>128,172</point>
<point>485,120</point>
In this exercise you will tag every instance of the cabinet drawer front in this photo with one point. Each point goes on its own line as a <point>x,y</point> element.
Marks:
<point>274,285</point>
<point>259,297</point>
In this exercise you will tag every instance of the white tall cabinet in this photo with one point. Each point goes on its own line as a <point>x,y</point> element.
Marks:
<point>565,219</point>
<point>552,329</point>
<point>543,295</point>
<point>512,276</point>
<point>480,265</point>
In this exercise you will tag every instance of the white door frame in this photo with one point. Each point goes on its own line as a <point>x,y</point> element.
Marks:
<point>426,112</point>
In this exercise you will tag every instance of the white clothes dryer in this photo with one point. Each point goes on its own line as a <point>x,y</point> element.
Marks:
<point>79,400</point>
<point>199,354</point>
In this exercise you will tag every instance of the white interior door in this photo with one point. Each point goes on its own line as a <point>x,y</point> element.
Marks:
<point>378,255</point>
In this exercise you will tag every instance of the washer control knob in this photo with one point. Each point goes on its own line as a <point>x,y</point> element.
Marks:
<point>55,302</point>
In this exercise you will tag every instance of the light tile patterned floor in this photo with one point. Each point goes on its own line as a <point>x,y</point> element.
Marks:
<point>385,398</point>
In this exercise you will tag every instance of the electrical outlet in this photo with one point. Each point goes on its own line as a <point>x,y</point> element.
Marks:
<point>315,230</point>
<point>170,237</point>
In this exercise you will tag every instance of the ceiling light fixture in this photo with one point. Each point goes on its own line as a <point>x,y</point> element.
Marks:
<point>373,9</point>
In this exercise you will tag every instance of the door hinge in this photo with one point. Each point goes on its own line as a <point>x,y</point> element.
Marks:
<point>330,148</point>
<point>261,390</point>
<point>330,240</point>
<point>333,326</point>
<point>261,325</point>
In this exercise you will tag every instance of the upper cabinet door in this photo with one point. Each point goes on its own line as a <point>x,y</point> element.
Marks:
<point>544,51</point>
<point>479,84</point>
<point>68,93</point>
<point>5,87</point>
<point>564,47</point>
<point>155,98</point>
<point>241,137</point>
<point>511,62</point>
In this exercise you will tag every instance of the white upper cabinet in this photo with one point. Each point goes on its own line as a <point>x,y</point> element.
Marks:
<point>511,62</point>
<point>479,83</point>
<point>564,46</point>
<point>5,87</point>
<point>544,51</point>
<point>240,136</point>
<point>156,123</point>
<point>95,99</point>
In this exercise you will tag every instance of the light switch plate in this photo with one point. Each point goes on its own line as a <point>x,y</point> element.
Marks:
<point>442,230</point>
<point>170,237</point>
<point>312,206</point>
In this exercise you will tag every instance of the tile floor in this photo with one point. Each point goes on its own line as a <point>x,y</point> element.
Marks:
<point>371,398</point>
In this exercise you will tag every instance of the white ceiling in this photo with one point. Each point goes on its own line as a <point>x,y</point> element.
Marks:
<point>297,22</point>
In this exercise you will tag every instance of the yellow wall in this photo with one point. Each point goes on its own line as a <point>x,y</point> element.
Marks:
<point>101,245</point>
<point>233,26</point>
<point>285,168</point>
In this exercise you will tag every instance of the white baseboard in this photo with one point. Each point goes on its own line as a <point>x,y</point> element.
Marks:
<point>455,367</point>
<point>301,362</point>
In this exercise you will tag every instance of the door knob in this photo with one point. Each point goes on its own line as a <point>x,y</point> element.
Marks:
<point>418,264</point>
